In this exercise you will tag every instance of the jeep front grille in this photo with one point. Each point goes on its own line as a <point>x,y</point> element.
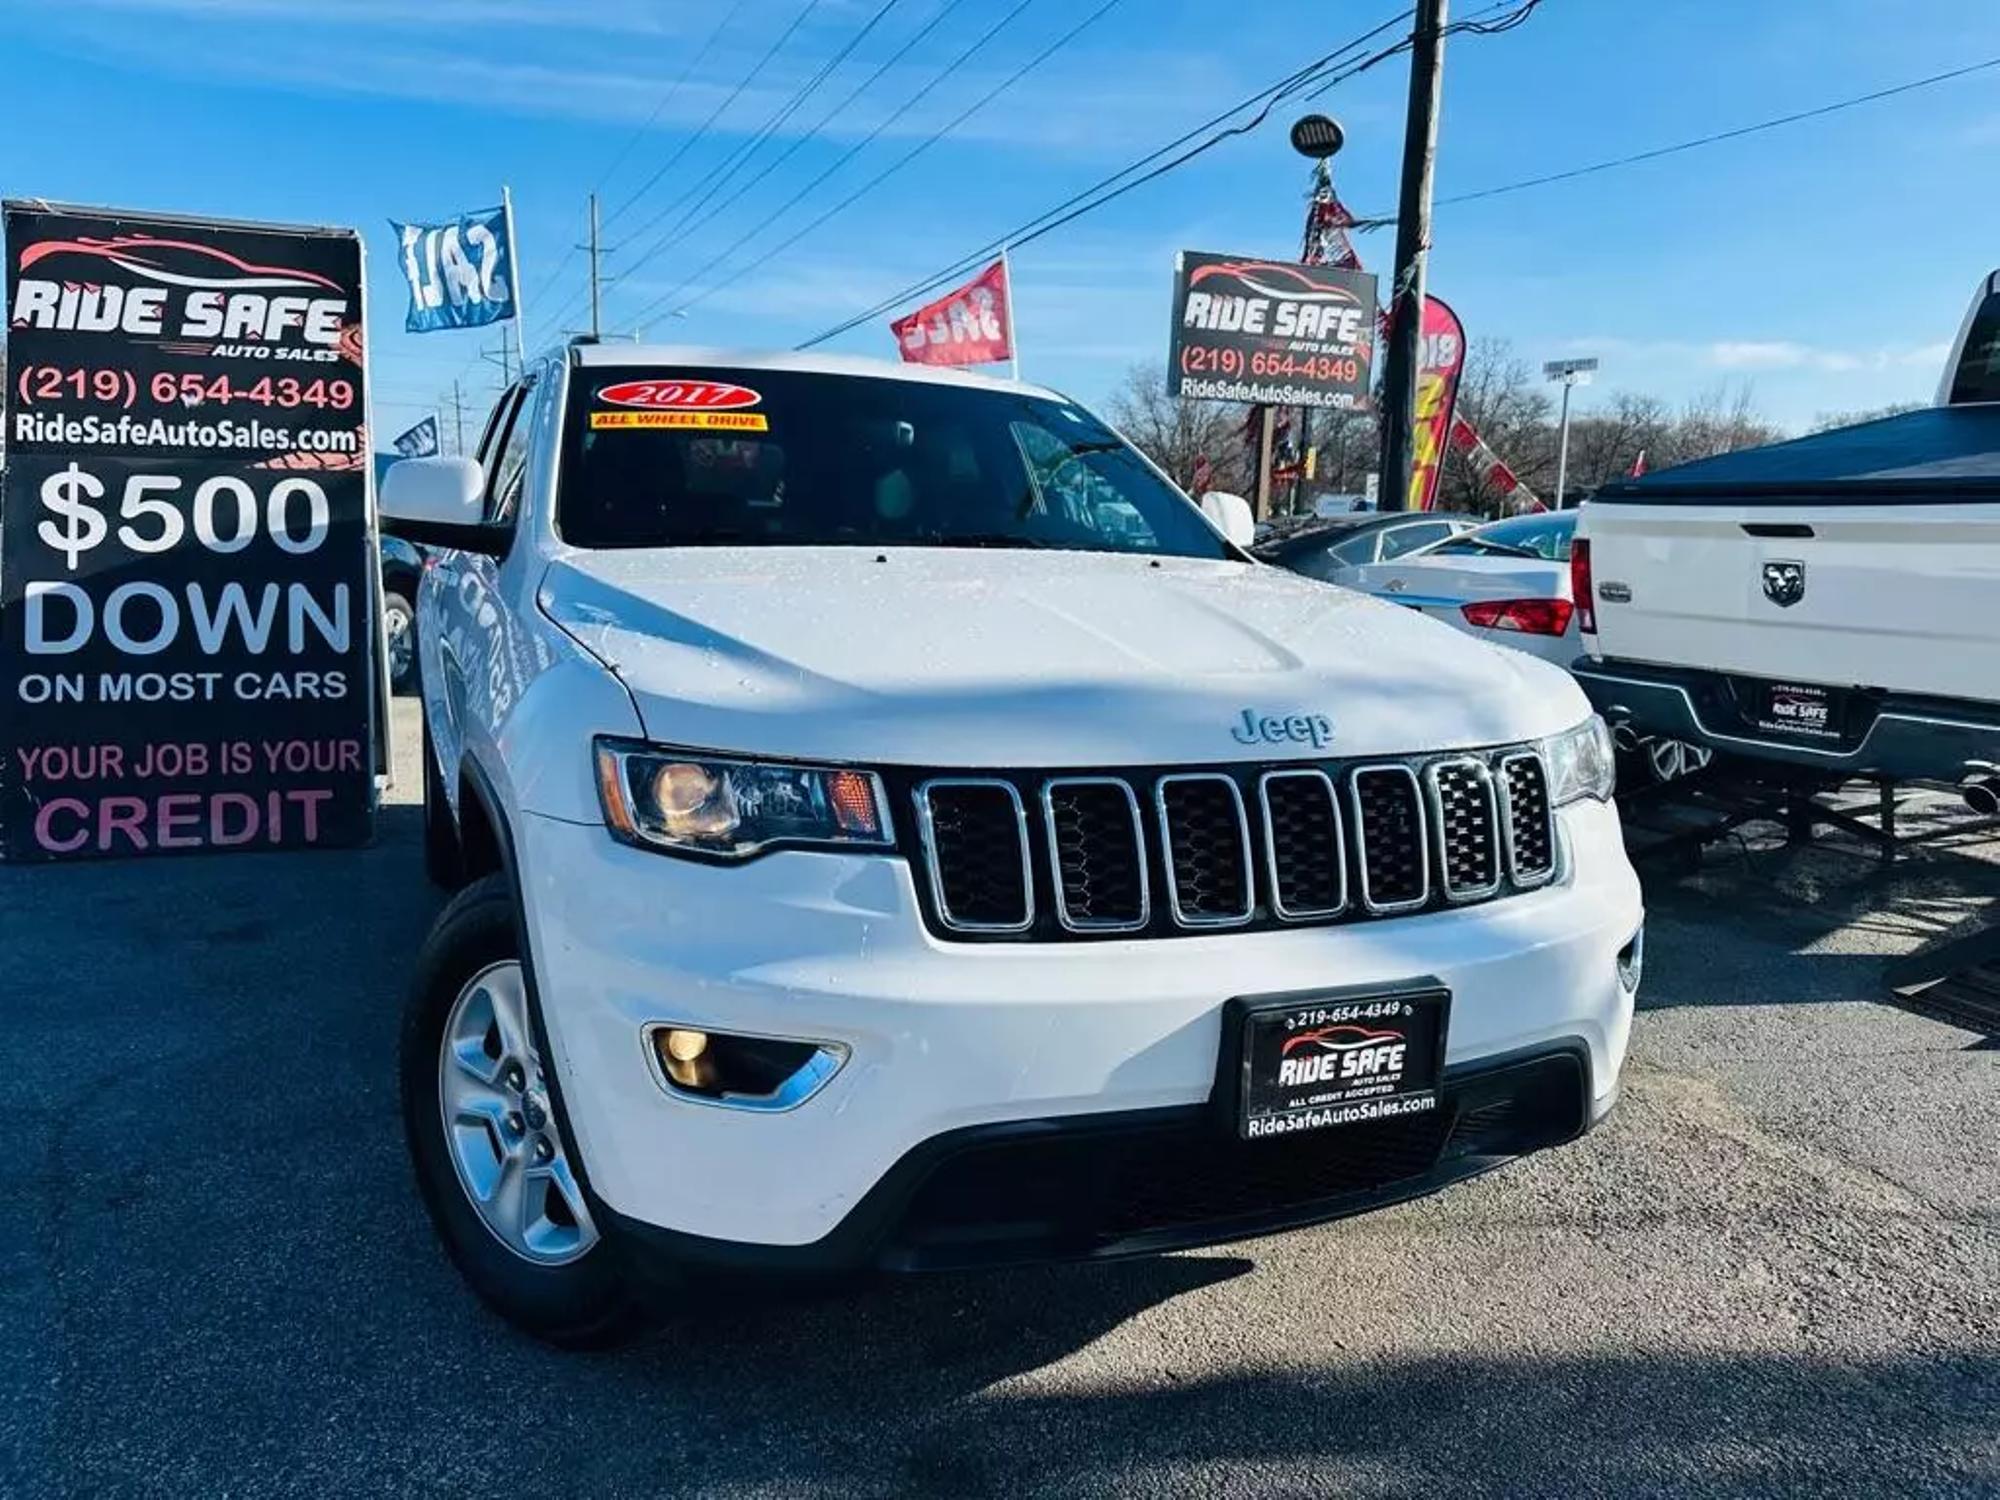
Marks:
<point>1166,852</point>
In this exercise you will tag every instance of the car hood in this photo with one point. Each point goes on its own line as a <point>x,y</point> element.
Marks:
<point>999,658</point>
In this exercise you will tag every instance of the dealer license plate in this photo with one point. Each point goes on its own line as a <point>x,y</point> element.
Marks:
<point>1312,1064</point>
<point>1798,711</point>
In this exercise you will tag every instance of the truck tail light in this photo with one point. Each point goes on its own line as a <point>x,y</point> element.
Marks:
<point>1529,616</point>
<point>1580,587</point>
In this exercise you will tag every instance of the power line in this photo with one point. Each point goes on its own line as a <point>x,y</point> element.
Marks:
<point>903,161</point>
<point>1115,185</point>
<point>718,176</point>
<point>667,98</point>
<point>818,129</point>
<point>701,133</point>
<point>632,140</point>
<point>1704,140</point>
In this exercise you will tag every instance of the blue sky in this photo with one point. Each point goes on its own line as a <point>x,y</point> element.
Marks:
<point>1826,263</point>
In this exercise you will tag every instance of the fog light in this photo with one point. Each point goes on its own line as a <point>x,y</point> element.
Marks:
<point>684,1055</point>
<point>743,1072</point>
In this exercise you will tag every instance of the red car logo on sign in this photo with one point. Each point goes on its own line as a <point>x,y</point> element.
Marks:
<point>679,395</point>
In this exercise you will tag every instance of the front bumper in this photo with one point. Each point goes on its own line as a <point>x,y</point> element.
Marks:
<point>1910,738</point>
<point>946,1038</point>
<point>1100,1187</point>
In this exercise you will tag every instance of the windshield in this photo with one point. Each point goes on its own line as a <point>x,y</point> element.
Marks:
<point>787,458</point>
<point>1546,537</point>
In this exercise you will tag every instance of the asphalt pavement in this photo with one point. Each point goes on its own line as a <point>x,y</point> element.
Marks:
<point>1775,1270</point>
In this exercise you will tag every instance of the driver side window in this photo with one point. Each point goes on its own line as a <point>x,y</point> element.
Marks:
<point>507,469</point>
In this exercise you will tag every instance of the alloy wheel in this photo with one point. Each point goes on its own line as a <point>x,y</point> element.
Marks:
<point>500,1128</point>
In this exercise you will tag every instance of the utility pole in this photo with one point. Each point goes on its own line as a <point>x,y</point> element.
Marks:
<point>458,418</point>
<point>1413,243</point>
<point>595,330</point>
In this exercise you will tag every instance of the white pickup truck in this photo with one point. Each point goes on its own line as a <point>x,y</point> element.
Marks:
<point>1831,602</point>
<point>896,829</point>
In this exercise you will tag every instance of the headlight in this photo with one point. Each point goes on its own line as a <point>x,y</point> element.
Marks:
<point>1581,763</point>
<point>732,809</point>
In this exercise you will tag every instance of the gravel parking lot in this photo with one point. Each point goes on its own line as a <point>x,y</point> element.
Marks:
<point>1777,1268</point>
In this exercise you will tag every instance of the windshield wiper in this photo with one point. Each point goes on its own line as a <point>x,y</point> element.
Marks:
<point>979,539</point>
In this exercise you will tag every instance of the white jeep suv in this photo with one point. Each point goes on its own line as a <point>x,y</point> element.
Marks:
<point>898,830</point>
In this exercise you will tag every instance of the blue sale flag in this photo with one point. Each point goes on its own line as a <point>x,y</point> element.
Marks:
<point>461,272</point>
<point>421,441</point>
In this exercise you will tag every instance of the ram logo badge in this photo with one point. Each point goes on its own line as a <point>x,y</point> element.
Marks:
<point>1784,583</point>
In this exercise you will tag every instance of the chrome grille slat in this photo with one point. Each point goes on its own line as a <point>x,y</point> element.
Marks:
<point>970,897</point>
<point>1528,818</point>
<point>1465,822</point>
<point>1099,877</point>
<point>1394,860</point>
<point>1209,878</point>
<point>1302,857</point>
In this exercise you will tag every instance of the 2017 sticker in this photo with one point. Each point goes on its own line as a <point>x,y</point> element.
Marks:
<point>680,395</point>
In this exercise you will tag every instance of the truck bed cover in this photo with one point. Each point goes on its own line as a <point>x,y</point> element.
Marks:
<point>1936,455</point>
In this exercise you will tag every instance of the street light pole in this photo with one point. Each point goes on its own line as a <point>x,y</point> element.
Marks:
<point>1413,243</point>
<point>1572,373</point>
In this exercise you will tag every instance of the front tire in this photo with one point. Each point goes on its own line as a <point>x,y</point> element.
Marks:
<point>399,632</point>
<point>491,1154</point>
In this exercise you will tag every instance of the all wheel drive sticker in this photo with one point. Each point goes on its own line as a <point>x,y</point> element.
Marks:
<point>710,405</point>
<point>185,571</point>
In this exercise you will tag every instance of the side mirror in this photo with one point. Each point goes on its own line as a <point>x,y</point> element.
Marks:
<point>439,502</point>
<point>1231,516</point>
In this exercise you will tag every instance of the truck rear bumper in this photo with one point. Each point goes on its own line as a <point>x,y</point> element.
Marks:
<point>1908,737</point>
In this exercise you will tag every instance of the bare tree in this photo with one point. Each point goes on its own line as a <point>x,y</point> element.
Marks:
<point>1177,431</point>
<point>1498,396</point>
<point>1826,421</point>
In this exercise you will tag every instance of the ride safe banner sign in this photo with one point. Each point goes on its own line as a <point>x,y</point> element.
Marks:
<point>185,562</point>
<point>1273,332</point>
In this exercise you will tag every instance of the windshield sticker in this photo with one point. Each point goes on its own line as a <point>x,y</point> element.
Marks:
<point>731,421</point>
<point>680,395</point>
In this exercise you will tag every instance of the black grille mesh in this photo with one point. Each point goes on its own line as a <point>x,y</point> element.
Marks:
<point>1305,844</point>
<point>977,854</point>
<point>1528,816</point>
<point>1467,825</point>
<point>1389,819</point>
<point>1099,853</point>
<point>1205,838</point>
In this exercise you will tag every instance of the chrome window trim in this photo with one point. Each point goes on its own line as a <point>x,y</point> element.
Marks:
<point>1368,901</point>
<point>1504,796</point>
<point>1181,918</point>
<point>926,831</point>
<point>1314,913</point>
<point>1086,924</point>
<point>1458,896</point>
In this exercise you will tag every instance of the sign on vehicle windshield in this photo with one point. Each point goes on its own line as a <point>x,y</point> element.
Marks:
<point>1272,332</point>
<point>185,572</point>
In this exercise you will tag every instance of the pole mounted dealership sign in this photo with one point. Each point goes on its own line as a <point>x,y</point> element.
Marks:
<point>185,568</point>
<point>1272,332</point>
